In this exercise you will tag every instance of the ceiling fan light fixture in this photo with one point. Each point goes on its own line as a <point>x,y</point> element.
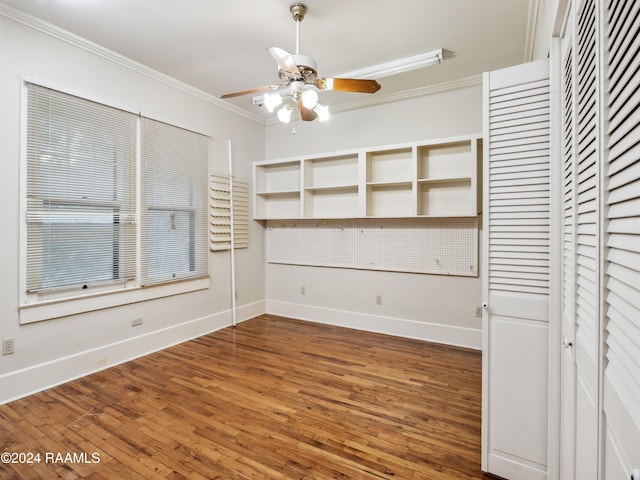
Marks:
<point>285,113</point>
<point>272,100</point>
<point>300,77</point>
<point>323,112</point>
<point>310,98</point>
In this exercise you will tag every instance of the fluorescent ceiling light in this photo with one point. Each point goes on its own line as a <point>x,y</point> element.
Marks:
<point>397,66</point>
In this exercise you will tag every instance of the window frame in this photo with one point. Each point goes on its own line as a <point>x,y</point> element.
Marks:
<point>62,301</point>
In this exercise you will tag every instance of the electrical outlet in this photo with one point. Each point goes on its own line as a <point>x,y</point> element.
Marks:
<point>8,346</point>
<point>303,290</point>
<point>136,321</point>
<point>478,311</point>
<point>378,299</point>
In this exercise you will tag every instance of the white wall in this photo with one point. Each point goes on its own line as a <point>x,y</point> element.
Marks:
<point>53,351</point>
<point>431,307</point>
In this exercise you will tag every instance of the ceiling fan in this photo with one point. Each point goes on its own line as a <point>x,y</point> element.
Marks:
<point>301,82</point>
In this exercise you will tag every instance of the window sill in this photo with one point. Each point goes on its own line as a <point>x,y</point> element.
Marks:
<point>48,310</point>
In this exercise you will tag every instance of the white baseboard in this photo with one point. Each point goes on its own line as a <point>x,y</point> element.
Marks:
<point>37,378</point>
<point>245,312</point>
<point>431,332</point>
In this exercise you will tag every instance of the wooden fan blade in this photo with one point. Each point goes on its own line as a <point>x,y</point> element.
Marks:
<point>306,114</point>
<point>285,61</point>
<point>348,85</point>
<point>251,90</point>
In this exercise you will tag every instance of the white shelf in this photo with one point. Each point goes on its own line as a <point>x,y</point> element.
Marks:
<point>433,178</point>
<point>400,184</point>
<point>445,198</point>
<point>426,181</point>
<point>277,205</point>
<point>390,166</point>
<point>447,159</point>
<point>332,189</point>
<point>333,171</point>
<point>278,177</point>
<point>390,200</point>
<point>339,202</point>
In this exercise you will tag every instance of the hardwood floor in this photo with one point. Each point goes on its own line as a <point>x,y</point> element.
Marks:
<point>273,398</point>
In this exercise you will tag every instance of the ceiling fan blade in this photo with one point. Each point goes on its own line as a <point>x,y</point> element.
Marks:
<point>285,61</point>
<point>348,85</point>
<point>306,114</point>
<point>251,90</point>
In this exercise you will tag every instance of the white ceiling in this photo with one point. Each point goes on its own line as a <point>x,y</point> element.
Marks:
<point>220,46</point>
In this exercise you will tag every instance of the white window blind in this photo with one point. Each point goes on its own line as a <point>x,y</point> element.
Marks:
<point>80,192</point>
<point>174,213</point>
<point>113,199</point>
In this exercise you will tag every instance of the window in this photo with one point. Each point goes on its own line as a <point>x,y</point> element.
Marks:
<point>174,202</point>
<point>113,200</point>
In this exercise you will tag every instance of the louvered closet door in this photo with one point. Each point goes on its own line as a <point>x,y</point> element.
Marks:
<point>567,414</point>
<point>621,398</point>
<point>582,259</point>
<point>516,271</point>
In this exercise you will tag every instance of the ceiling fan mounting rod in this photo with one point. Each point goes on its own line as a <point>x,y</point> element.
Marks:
<point>298,11</point>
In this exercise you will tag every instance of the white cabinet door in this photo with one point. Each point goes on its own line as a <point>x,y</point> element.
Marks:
<point>516,271</point>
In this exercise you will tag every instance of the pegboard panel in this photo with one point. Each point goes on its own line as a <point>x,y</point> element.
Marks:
<point>322,243</point>
<point>437,246</point>
<point>440,246</point>
<point>326,243</point>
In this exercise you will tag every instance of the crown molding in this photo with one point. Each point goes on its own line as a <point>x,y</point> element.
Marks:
<point>532,25</point>
<point>100,51</point>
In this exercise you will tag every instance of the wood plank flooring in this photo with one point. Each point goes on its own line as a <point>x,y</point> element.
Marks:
<point>273,398</point>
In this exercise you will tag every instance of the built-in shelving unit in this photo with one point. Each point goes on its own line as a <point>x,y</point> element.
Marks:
<point>447,178</point>
<point>277,190</point>
<point>434,178</point>
<point>331,186</point>
<point>390,177</point>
